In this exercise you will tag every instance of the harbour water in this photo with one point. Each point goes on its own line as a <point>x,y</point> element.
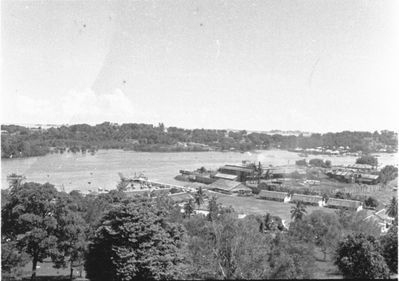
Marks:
<point>89,172</point>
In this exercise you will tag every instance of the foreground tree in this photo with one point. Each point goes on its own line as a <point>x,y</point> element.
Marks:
<point>359,257</point>
<point>189,208</point>
<point>389,244</point>
<point>135,241</point>
<point>28,219</point>
<point>392,209</point>
<point>213,208</point>
<point>71,232</point>
<point>199,197</point>
<point>298,211</point>
<point>12,260</point>
<point>320,228</point>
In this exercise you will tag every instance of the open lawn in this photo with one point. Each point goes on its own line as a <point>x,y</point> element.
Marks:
<point>46,271</point>
<point>251,205</point>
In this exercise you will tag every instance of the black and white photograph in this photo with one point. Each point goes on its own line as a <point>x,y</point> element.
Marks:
<point>199,139</point>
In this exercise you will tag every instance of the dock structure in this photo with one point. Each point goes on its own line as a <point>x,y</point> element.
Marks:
<point>169,186</point>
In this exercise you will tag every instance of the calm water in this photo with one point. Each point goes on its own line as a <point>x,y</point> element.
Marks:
<point>84,172</point>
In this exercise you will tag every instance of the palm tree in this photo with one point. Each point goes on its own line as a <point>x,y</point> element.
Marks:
<point>189,208</point>
<point>392,209</point>
<point>298,211</point>
<point>199,197</point>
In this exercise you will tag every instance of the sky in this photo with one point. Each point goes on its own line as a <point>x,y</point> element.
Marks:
<point>305,65</point>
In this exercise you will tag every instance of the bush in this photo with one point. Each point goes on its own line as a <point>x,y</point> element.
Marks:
<point>367,159</point>
<point>371,202</point>
<point>316,162</point>
<point>301,162</point>
<point>388,173</point>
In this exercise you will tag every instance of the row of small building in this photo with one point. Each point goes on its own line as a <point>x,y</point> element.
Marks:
<point>311,199</point>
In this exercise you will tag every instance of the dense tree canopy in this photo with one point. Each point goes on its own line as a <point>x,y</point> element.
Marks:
<point>134,241</point>
<point>321,228</point>
<point>390,248</point>
<point>24,142</point>
<point>358,256</point>
<point>28,218</point>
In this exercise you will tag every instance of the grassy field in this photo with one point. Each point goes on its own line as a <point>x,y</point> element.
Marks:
<point>46,270</point>
<point>251,205</point>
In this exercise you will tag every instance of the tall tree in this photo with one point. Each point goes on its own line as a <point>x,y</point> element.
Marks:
<point>298,211</point>
<point>29,219</point>
<point>389,244</point>
<point>135,241</point>
<point>392,209</point>
<point>199,197</point>
<point>189,208</point>
<point>213,208</point>
<point>359,257</point>
<point>71,232</point>
<point>325,230</point>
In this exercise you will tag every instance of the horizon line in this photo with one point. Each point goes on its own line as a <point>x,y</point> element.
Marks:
<point>226,129</point>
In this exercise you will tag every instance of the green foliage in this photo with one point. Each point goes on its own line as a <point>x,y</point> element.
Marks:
<point>321,228</point>
<point>135,241</point>
<point>388,173</point>
<point>354,222</point>
<point>213,208</point>
<point>5,197</point>
<point>389,244</point>
<point>298,211</point>
<point>29,220</point>
<point>371,202</point>
<point>24,142</point>
<point>316,162</point>
<point>291,258</point>
<point>301,162</point>
<point>392,209</point>
<point>189,208</point>
<point>72,232</point>
<point>359,257</point>
<point>231,248</point>
<point>367,159</point>
<point>199,197</point>
<point>12,259</point>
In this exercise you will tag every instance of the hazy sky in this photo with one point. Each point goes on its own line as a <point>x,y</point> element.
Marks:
<point>255,65</point>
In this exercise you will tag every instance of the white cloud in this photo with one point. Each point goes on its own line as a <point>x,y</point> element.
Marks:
<point>81,107</point>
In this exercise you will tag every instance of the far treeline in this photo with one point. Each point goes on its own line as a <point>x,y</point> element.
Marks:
<point>18,141</point>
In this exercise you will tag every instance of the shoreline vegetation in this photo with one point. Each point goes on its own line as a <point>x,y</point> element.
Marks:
<point>21,142</point>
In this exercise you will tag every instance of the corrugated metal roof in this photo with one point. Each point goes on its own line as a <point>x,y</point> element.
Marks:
<point>226,176</point>
<point>306,198</point>
<point>223,184</point>
<point>343,203</point>
<point>273,194</point>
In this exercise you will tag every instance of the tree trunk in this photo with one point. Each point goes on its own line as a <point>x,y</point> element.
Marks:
<point>71,275</point>
<point>325,255</point>
<point>34,265</point>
